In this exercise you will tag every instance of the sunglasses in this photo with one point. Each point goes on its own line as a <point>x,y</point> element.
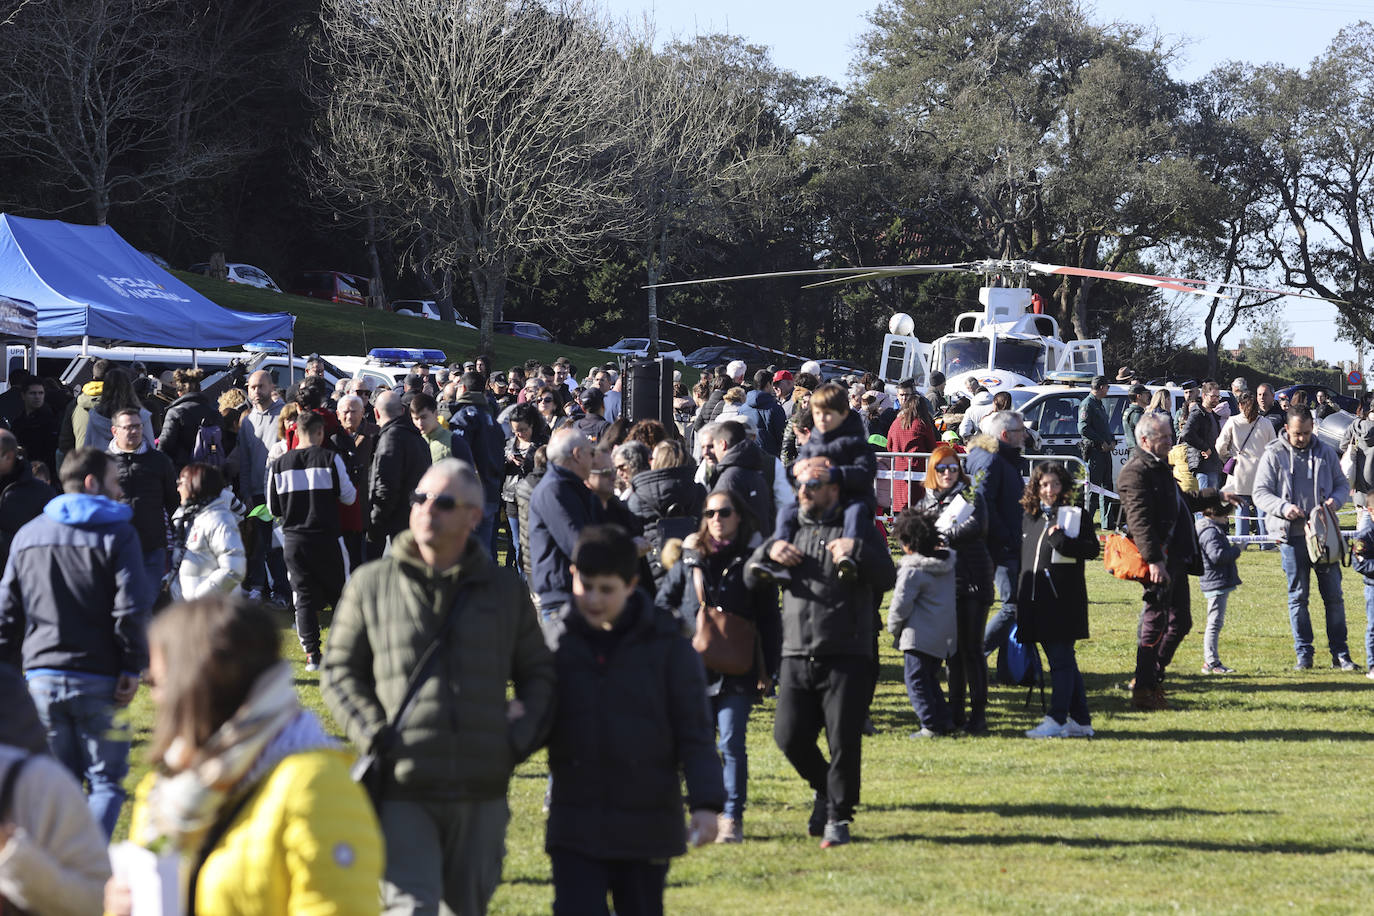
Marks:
<point>442,501</point>
<point>813,485</point>
<point>941,468</point>
<point>724,512</point>
<point>546,400</point>
<point>603,472</point>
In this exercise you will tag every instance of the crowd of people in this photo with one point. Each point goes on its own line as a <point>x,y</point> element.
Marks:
<point>515,563</point>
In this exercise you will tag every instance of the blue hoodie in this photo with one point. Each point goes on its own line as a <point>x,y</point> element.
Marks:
<point>769,419</point>
<point>73,584</point>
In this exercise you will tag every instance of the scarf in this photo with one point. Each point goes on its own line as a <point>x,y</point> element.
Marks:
<point>185,803</point>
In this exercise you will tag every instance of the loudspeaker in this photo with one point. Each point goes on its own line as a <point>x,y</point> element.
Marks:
<point>647,392</point>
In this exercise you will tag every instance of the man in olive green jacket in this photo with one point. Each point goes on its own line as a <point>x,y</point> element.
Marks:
<point>443,809</point>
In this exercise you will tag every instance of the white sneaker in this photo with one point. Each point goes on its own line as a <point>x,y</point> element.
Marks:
<point>1049,729</point>
<point>1370,675</point>
<point>1074,730</point>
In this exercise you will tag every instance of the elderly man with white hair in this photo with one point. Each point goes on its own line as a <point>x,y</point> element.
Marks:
<point>446,764</point>
<point>736,369</point>
<point>356,442</point>
<point>401,458</point>
<point>560,507</point>
<point>248,462</point>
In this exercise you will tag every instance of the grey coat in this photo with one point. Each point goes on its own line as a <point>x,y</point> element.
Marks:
<point>1297,477</point>
<point>921,616</point>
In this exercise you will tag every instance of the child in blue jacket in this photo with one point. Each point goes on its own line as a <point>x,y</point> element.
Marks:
<point>1219,576</point>
<point>840,436</point>
<point>1362,561</point>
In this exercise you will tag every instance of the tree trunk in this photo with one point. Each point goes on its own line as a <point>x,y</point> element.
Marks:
<point>653,272</point>
<point>376,288</point>
<point>489,283</point>
<point>1080,308</point>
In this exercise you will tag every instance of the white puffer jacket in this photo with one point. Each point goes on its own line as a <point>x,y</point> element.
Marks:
<point>214,562</point>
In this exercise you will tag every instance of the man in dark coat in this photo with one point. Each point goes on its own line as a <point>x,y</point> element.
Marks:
<point>825,679</point>
<point>761,405</point>
<point>149,483</point>
<point>1200,433</point>
<point>401,459</point>
<point>994,464</point>
<point>35,424</point>
<point>473,420</point>
<point>739,470</point>
<point>1095,444</point>
<point>1160,523</point>
<point>560,507</point>
<point>22,496</point>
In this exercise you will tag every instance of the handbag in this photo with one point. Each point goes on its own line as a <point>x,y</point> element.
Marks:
<point>724,641</point>
<point>1325,545</point>
<point>1123,560</point>
<point>1229,467</point>
<point>369,770</point>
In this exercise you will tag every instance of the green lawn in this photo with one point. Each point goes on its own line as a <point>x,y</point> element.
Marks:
<point>349,330</point>
<point>1248,796</point>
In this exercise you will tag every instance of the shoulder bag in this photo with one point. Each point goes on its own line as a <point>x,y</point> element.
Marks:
<point>368,770</point>
<point>724,641</point>
<point>1229,467</point>
<point>1123,560</point>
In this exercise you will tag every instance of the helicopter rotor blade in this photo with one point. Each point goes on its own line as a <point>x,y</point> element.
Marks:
<point>837,272</point>
<point>1175,284</point>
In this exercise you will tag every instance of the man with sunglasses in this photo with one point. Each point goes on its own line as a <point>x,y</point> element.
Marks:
<point>828,645</point>
<point>442,809</point>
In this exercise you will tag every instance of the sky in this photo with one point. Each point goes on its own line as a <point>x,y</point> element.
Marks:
<point>817,38</point>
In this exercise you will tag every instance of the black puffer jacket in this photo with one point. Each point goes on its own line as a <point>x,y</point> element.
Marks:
<point>523,492</point>
<point>665,493</point>
<point>740,472</point>
<point>722,585</point>
<point>822,615</point>
<point>181,423</point>
<point>972,563</point>
<point>22,497</point>
<point>1051,597</point>
<point>632,721</point>
<point>149,483</point>
<point>401,459</point>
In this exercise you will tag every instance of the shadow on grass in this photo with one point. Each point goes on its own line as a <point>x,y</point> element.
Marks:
<point>1098,843</point>
<point>1074,812</point>
<point>1295,734</point>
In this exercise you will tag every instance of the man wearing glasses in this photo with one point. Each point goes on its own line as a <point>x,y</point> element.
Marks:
<point>149,482</point>
<point>443,808</point>
<point>828,646</point>
<point>561,506</point>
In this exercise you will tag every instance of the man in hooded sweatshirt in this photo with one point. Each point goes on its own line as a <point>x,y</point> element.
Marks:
<point>71,614</point>
<point>762,407</point>
<point>1297,473</point>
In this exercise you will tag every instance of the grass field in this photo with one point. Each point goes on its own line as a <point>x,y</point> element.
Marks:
<point>1249,796</point>
<point>349,330</point>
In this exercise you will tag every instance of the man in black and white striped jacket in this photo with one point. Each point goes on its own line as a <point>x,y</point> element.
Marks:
<point>305,487</point>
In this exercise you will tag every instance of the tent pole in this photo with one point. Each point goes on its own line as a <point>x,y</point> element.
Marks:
<point>291,362</point>
<point>85,345</point>
<point>195,360</point>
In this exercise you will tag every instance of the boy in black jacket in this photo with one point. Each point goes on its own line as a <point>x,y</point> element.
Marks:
<point>632,720</point>
<point>305,487</point>
<point>839,436</point>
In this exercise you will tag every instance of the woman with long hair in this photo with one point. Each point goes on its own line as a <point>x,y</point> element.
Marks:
<point>187,414</point>
<point>528,432</point>
<point>947,490</point>
<point>912,431</point>
<point>1052,597</point>
<point>118,394</point>
<point>711,574</point>
<point>212,559</point>
<point>666,490</point>
<point>247,788</point>
<point>1243,437</point>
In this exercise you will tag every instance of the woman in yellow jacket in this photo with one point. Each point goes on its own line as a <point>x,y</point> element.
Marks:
<point>248,790</point>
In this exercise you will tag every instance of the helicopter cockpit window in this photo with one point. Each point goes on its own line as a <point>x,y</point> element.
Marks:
<point>963,354</point>
<point>1023,357</point>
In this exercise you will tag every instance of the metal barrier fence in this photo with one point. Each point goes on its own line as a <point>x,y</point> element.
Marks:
<point>898,466</point>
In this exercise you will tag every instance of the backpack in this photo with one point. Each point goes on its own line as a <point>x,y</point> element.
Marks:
<point>1325,543</point>
<point>209,444</point>
<point>1018,664</point>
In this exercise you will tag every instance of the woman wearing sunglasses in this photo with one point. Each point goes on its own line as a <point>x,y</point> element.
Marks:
<point>711,573</point>
<point>547,404</point>
<point>963,523</point>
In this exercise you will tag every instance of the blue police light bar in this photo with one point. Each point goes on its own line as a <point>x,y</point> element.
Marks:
<point>267,346</point>
<point>406,355</point>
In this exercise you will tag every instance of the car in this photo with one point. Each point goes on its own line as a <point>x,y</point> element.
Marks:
<point>639,346</point>
<point>331,286</point>
<point>710,357</point>
<point>526,329</point>
<point>833,370</point>
<point>1343,401</point>
<point>427,308</point>
<point>246,274</point>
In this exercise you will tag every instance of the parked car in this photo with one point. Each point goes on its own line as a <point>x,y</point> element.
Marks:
<point>427,308</point>
<point>246,274</point>
<point>833,370</point>
<point>1343,401</point>
<point>639,346</point>
<point>527,329</point>
<point>157,259</point>
<point>710,357</point>
<point>331,286</point>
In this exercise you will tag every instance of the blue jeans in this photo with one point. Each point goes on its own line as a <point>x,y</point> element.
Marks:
<point>1244,525</point>
<point>1207,479</point>
<point>513,525</point>
<point>1297,566</point>
<point>77,711</point>
<point>922,675</point>
<point>1369,626</point>
<point>732,722</point>
<point>154,565</point>
<point>486,531</point>
<point>1004,578</point>
<point>1068,696</point>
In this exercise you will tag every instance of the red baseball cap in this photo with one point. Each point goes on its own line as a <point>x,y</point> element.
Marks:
<point>782,375</point>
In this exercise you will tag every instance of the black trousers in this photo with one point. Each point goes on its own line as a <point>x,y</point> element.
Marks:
<point>581,883</point>
<point>968,667</point>
<point>1164,620</point>
<point>831,693</point>
<point>315,565</point>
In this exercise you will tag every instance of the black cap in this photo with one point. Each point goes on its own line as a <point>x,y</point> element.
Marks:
<point>1138,390</point>
<point>1100,380</point>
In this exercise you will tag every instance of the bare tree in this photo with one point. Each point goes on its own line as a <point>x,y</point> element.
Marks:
<point>109,97</point>
<point>493,127</point>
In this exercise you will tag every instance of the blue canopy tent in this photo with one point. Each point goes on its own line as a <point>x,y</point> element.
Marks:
<point>91,286</point>
<point>18,322</point>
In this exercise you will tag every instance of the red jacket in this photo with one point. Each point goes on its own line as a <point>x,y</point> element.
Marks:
<point>919,437</point>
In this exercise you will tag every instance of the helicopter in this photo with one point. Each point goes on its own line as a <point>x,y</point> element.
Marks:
<point>1010,342</point>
